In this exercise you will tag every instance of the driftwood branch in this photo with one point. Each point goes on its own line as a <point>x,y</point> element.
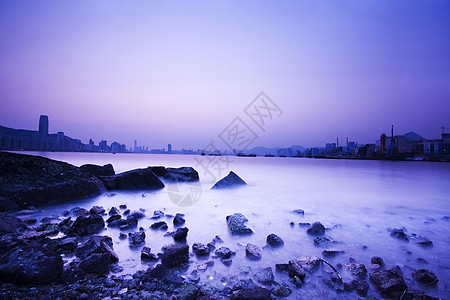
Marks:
<point>334,269</point>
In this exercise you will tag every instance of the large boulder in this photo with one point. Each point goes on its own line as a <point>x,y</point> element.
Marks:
<point>316,229</point>
<point>138,179</point>
<point>86,225</point>
<point>30,264</point>
<point>106,170</point>
<point>175,255</point>
<point>388,283</point>
<point>236,224</point>
<point>10,224</point>
<point>229,181</point>
<point>97,255</point>
<point>27,180</point>
<point>274,240</point>
<point>183,174</point>
<point>424,276</point>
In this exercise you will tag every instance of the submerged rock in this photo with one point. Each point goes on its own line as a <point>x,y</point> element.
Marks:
<point>180,234</point>
<point>357,270</point>
<point>86,225</point>
<point>175,255</point>
<point>253,252</point>
<point>388,283</point>
<point>224,252</point>
<point>316,229</point>
<point>236,224</point>
<point>424,276</point>
<point>97,245</point>
<point>159,225</point>
<point>274,240</point>
<point>399,234</point>
<point>331,253</point>
<point>146,254</point>
<point>136,239</point>
<point>27,180</point>
<point>265,276</point>
<point>178,220</point>
<point>200,249</point>
<point>229,181</point>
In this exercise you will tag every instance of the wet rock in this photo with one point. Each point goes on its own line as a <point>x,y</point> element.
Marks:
<point>106,170</point>
<point>30,264</point>
<point>298,212</point>
<point>204,266</point>
<point>281,291</point>
<point>97,245</point>
<point>139,179</point>
<point>257,293</point>
<point>146,254</point>
<point>236,224</point>
<point>30,221</point>
<point>229,181</point>
<point>183,174</point>
<point>388,283</point>
<point>123,236</point>
<point>136,215</point>
<point>316,229</point>
<point>377,260</point>
<point>422,261</point>
<point>227,261</point>
<point>79,211</point>
<point>274,240</point>
<point>33,180</point>
<point>86,225</point>
<point>116,223</point>
<point>178,220</point>
<point>113,218</point>
<point>421,240</point>
<point>68,244</point>
<point>361,287</point>
<point>224,252</point>
<point>323,241</point>
<point>126,212</point>
<point>217,240</point>
<point>295,269</point>
<point>159,225</point>
<point>188,291</point>
<point>181,234</point>
<point>331,253</point>
<point>123,206</point>
<point>136,239</point>
<point>265,276</point>
<point>399,234</point>
<point>159,171</point>
<point>292,224</point>
<point>164,275</point>
<point>114,211</point>
<point>424,276</point>
<point>357,270</point>
<point>10,224</point>
<point>282,267</point>
<point>157,214</point>
<point>65,224</point>
<point>99,210</point>
<point>194,276</point>
<point>130,224</point>
<point>200,249</point>
<point>253,252</point>
<point>175,255</point>
<point>97,263</point>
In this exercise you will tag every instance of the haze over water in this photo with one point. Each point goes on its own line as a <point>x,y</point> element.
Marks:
<point>356,200</point>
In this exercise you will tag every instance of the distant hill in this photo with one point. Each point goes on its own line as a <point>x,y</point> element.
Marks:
<point>261,151</point>
<point>413,136</point>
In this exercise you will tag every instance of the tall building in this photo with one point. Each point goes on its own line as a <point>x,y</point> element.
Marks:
<point>43,126</point>
<point>169,148</point>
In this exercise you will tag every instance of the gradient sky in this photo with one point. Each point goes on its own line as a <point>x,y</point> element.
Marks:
<point>181,71</point>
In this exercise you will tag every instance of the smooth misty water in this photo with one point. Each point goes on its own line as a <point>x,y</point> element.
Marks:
<point>356,200</point>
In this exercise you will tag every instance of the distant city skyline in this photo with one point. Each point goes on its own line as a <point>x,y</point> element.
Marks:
<point>181,72</point>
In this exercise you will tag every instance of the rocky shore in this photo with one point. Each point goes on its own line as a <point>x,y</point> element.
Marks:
<point>69,256</point>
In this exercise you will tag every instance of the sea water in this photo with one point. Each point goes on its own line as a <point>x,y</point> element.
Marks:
<point>356,200</point>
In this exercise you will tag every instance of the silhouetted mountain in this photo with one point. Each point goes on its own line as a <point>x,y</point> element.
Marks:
<point>413,136</point>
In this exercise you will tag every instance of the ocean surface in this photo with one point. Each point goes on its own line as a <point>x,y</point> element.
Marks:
<point>357,201</point>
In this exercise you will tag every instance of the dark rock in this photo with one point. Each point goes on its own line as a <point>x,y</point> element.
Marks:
<point>157,214</point>
<point>123,236</point>
<point>97,245</point>
<point>224,252</point>
<point>236,224</point>
<point>139,179</point>
<point>136,239</point>
<point>253,252</point>
<point>86,225</point>
<point>204,266</point>
<point>117,223</point>
<point>126,212</point>
<point>298,212</point>
<point>282,291</point>
<point>421,240</point>
<point>99,210</point>
<point>10,224</point>
<point>292,224</point>
<point>136,215</point>
<point>68,244</point>
<point>146,254</point>
<point>244,284</point>
<point>307,263</point>
<point>97,263</point>
<point>181,234</point>
<point>362,287</point>
<point>422,261</point>
<point>79,211</point>
<point>159,171</point>
<point>399,234</point>
<point>113,218</point>
<point>257,293</point>
<point>183,174</point>
<point>316,229</point>
<point>106,170</point>
<point>163,274</point>
<point>357,270</point>
<point>424,276</point>
<point>114,211</point>
<point>274,240</point>
<point>175,255</point>
<point>229,181</point>
<point>282,267</point>
<point>65,224</point>
<point>30,264</point>
<point>388,283</point>
<point>188,291</point>
<point>178,220</point>
<point>123,206</point>
<point>265,276</point>
<point>159,225</point>
<point>227,261</point>
<point>296,270</point>
<point>29,221</point>
<point>377,260</point>
<point>130,224</point>
<point>200,249</point>
<point>27,180</point>
<point>331,253</point>
<point>303,224</point>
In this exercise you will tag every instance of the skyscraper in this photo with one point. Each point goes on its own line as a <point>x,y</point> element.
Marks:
<point>169,148</point>
<point>43,126</point>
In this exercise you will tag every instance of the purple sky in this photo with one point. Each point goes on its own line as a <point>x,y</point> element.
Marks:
<point>181,71</point>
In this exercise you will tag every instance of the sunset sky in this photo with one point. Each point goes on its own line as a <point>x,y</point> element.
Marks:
<point>180,71</point>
